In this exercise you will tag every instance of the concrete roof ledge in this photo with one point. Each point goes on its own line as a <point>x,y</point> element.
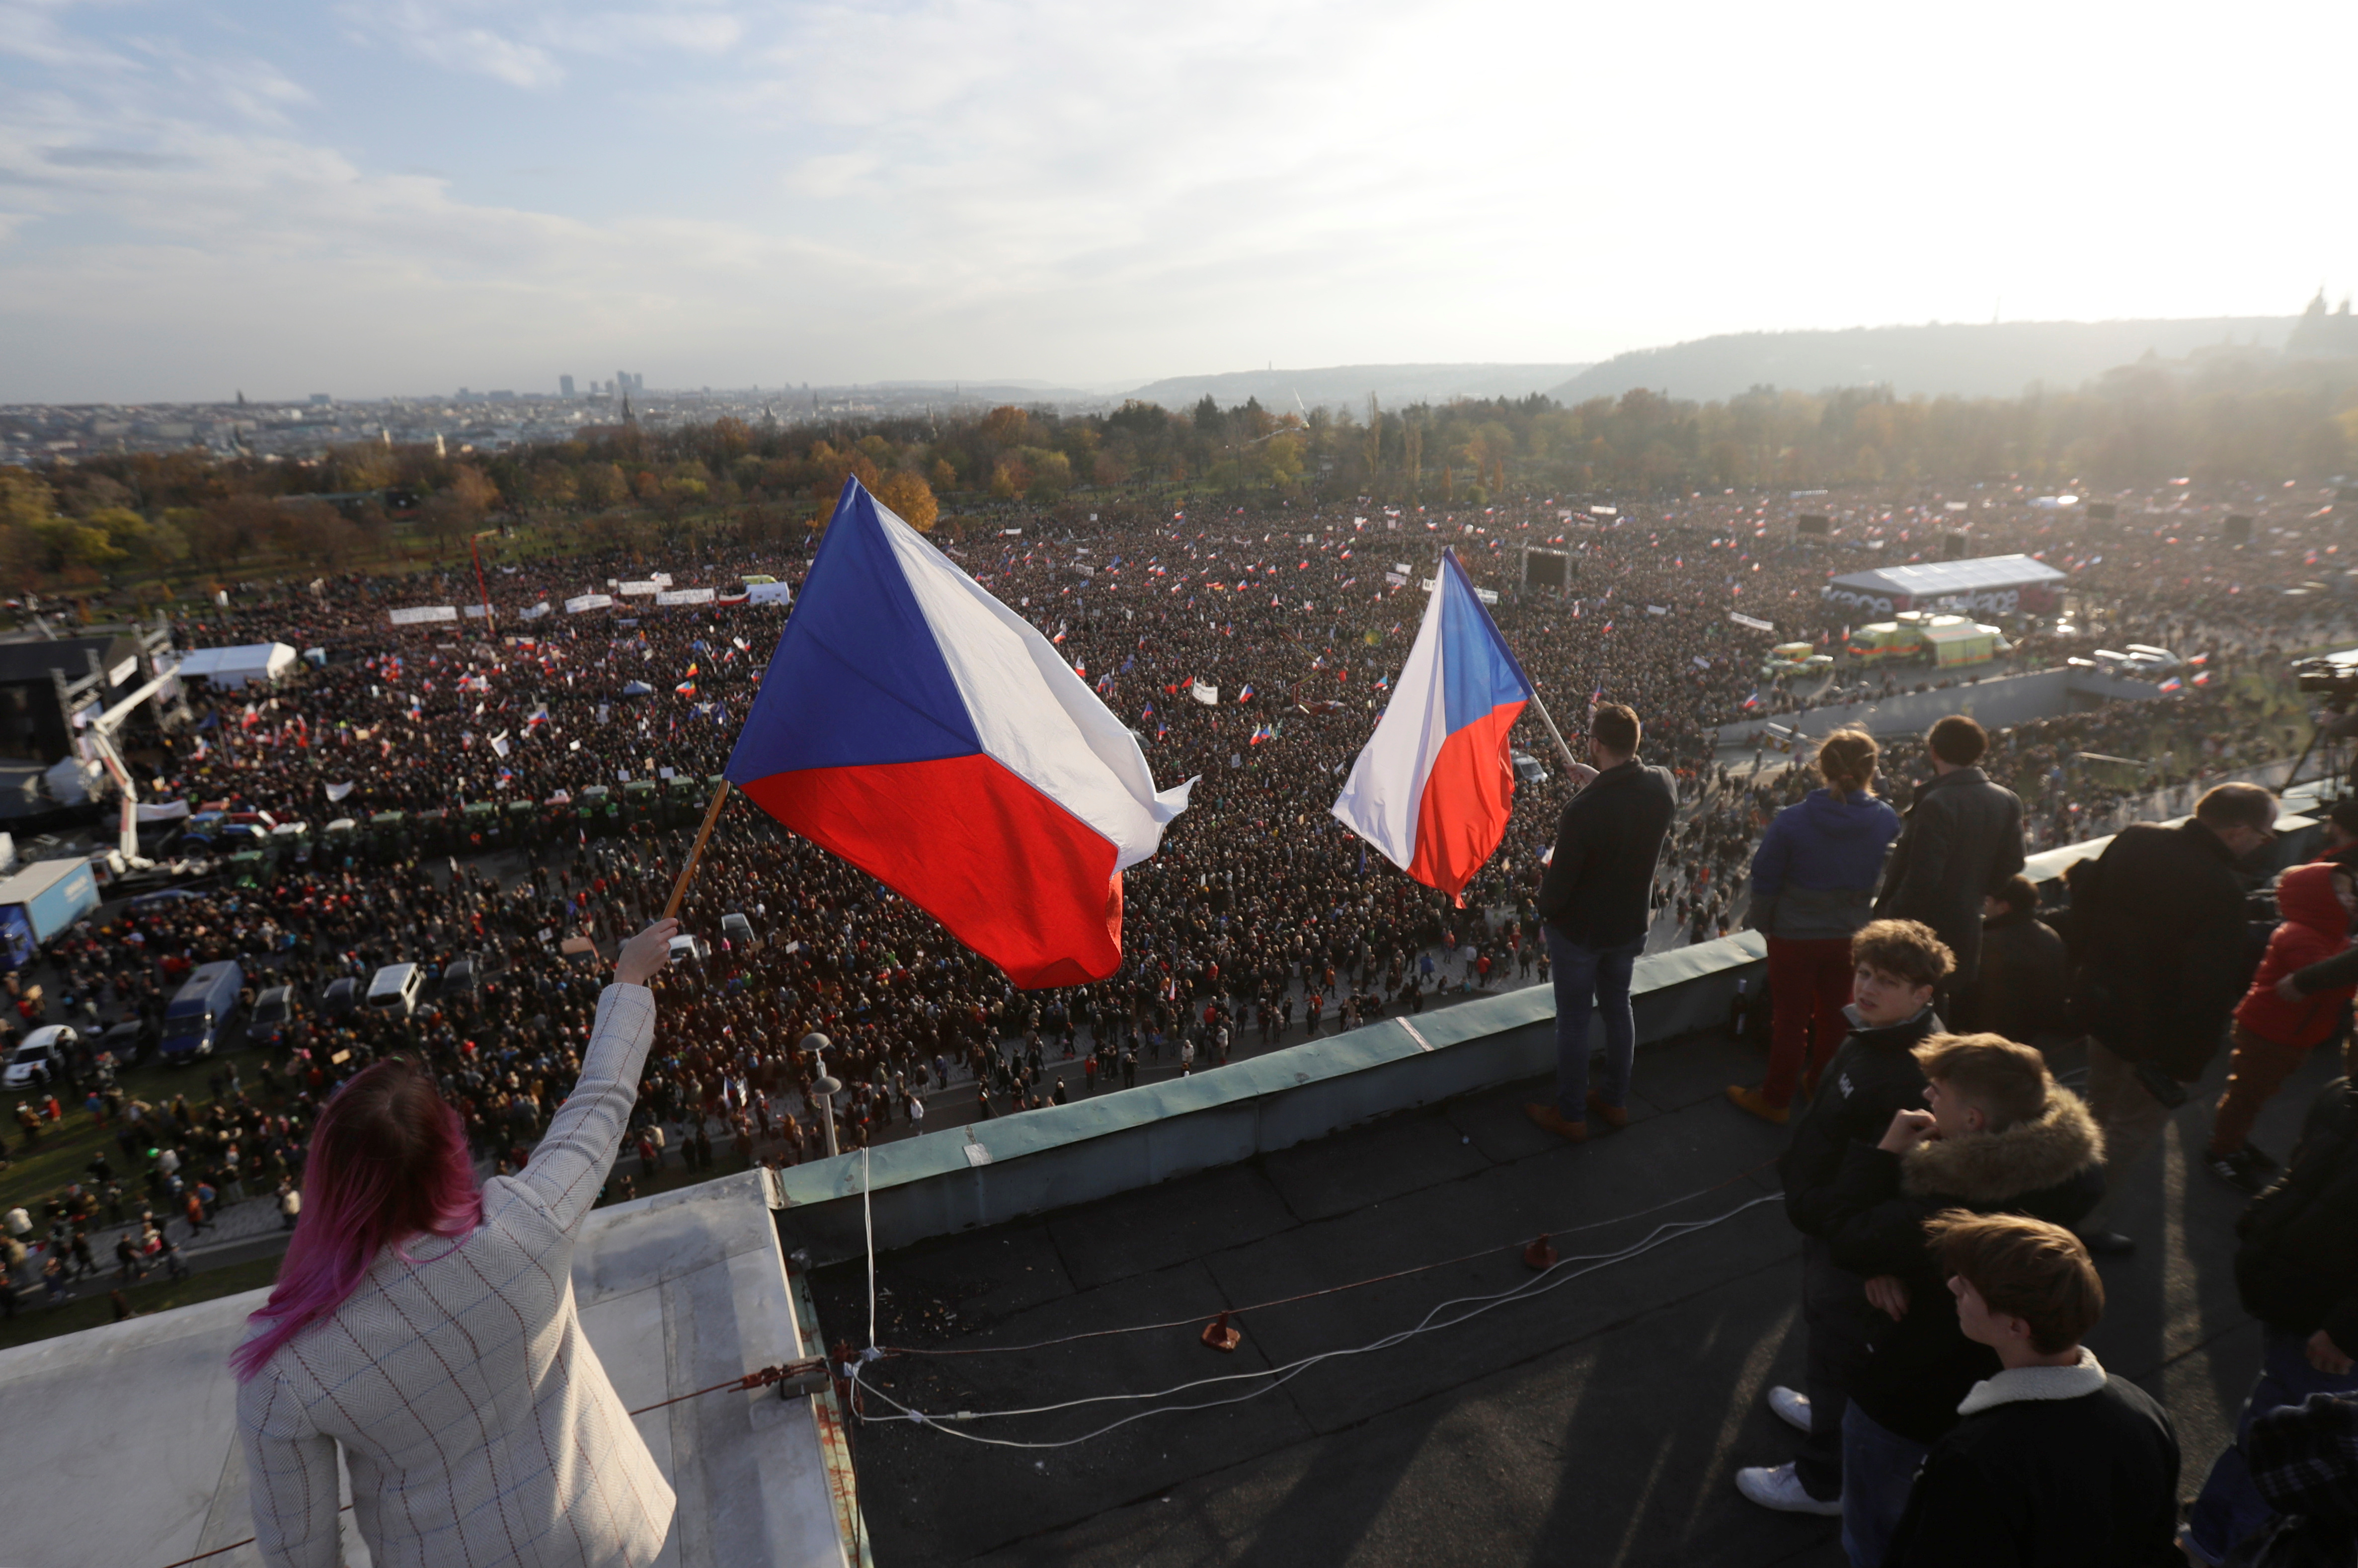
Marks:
<point>1037,1160</point>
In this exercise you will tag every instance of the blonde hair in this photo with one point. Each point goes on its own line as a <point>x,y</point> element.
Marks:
<point>1846,759</point>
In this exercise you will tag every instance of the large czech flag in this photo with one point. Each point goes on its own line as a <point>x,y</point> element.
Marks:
<point>926,733</point>
<point>1432,788</point>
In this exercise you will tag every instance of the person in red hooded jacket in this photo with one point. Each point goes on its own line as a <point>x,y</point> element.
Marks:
<point>2273,1036</point>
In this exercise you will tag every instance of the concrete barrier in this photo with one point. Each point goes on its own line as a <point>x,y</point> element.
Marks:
<point>1039,1160</point>
<point>1998,702</point>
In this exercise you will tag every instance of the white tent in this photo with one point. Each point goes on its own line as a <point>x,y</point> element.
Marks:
<point>235,666</point>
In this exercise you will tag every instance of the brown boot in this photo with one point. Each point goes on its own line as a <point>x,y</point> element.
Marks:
<point>1612,1115</point>
<point>1752,1101</point>
<point>1552,1120</point>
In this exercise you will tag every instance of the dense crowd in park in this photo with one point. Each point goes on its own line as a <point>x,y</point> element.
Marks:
<point>1260,922</point>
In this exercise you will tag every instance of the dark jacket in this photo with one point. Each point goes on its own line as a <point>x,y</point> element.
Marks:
<point>2025,975</point>
<point>2158,922</point>
<point>1962,841</point>
<point>1870,1078</point>
<point>2030,1480</point>
<point>2304,1461</point>
<point>2297,1266</point>
<point>1814,876</point>
<point>1916,1369</point>
<point>1595,889</point>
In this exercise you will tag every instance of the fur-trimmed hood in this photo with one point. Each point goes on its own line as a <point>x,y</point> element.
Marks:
<point>1997,1167</point>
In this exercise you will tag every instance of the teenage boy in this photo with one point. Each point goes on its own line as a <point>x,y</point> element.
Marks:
<point>2056,1464</point>
<point>1998,1135</point>
<point>1896,966</point>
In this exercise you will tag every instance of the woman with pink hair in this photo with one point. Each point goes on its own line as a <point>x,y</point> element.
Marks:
<point>427,1326</point>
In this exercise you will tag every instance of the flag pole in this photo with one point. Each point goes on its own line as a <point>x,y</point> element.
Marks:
<point>1554,733</point>
<point>687,872</point>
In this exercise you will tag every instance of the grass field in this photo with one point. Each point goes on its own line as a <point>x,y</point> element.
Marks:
<point>34,1322</point>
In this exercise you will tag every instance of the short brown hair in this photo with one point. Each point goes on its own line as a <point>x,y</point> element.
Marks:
<point>1958,741</point>
<point>1904,947</point>
<point>1846,759</point>
<point>1615,727</point>
<point>2237,805</point>
<point>2019,893</point>
<point>2023,1268</point>
<point>2009,1081</point>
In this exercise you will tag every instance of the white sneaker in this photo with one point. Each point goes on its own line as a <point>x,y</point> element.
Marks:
<point>1791,1407</point>
<point>1779,1488</point>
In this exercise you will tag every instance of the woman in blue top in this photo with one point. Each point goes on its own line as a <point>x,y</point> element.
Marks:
<point>1813,881</point>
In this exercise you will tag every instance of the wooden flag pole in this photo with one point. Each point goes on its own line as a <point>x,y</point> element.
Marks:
<point>1554,733</point>
<point>687,872</point>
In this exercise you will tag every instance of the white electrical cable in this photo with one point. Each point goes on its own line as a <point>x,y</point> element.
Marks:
<point>867,1219</point>
<point>1280,1375</point>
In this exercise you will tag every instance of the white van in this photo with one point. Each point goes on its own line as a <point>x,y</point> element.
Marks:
<point>395,988</point>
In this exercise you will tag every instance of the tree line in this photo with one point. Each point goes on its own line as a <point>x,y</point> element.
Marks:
<point>116,519</point>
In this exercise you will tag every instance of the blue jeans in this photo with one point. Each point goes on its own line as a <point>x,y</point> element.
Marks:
<point>1878,1467</point>
<point>2230,1508</point>
<point>1590,978</point>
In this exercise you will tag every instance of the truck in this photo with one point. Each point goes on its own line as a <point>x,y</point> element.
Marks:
<point>201,1011</point>
<point>43,901</point>
<point>1795,659</point>
<point>1944,642</point>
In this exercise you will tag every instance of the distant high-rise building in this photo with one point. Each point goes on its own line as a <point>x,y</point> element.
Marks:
<point>565,386</point>
<point>320,400</point>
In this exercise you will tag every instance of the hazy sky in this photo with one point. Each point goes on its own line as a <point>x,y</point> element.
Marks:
<point>291,196</point>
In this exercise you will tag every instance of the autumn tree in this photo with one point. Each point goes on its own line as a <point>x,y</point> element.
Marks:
<point>911,497</point>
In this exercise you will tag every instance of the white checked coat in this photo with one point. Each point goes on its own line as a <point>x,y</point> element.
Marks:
<point>476,1421</point>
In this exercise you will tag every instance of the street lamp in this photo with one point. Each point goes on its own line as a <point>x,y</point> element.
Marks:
<point>824,1088</point>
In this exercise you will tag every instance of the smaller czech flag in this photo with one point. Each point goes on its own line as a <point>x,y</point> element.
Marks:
<point>1434,787</point>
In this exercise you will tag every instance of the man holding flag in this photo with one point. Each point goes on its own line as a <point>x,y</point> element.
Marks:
<point>1594,908</point>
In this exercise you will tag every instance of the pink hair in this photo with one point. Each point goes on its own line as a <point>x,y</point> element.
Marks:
<point>388,1162</point>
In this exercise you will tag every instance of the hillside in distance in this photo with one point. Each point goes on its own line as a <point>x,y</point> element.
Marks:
<point>1958,359</point>
<point>1339,386</point>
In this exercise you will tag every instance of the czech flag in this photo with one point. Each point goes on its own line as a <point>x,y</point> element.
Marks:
<point>1433,787</point>
<point>924,732</point>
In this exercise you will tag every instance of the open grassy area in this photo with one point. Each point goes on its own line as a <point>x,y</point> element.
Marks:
<point>34,1322</point>
<point>65,1149</point>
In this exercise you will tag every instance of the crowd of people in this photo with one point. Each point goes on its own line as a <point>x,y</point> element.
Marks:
<point>1250,651</point>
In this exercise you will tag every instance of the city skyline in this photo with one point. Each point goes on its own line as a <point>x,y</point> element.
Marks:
<point>386,201</point>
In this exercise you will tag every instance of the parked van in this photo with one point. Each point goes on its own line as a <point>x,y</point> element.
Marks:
<point>395,988</point>
<point>203,1010</point>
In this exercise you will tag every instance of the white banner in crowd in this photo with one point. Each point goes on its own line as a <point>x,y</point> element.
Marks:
<point>162,810</point>
<point>639,590</point>
<point>532,613</point>
<point>425,614</point>
<point>685,596</point>
<point>587,602</point>
<point>769,593</point>
<point>1209,696</point>
<point>1752,621</point>
<point>475,611</point>
<point>337,792</point>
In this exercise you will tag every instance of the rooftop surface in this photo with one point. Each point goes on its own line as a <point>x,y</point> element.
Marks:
<point>1601,1423</point>
<point>137,1422</point>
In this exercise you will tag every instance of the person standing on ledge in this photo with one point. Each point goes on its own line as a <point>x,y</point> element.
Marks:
<point>1592,906</point>
<point>429,1327</point>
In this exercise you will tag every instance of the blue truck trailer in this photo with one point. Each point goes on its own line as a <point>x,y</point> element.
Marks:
<point>42,901</point>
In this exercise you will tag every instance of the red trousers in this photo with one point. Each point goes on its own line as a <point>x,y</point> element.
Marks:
<point>2254,1073</point>
<point>1808,985</point>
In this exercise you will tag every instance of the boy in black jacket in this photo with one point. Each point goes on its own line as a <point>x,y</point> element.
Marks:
<point>1898,963</point>
<point>2057,1462</point>
<point>1998,1135</point>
